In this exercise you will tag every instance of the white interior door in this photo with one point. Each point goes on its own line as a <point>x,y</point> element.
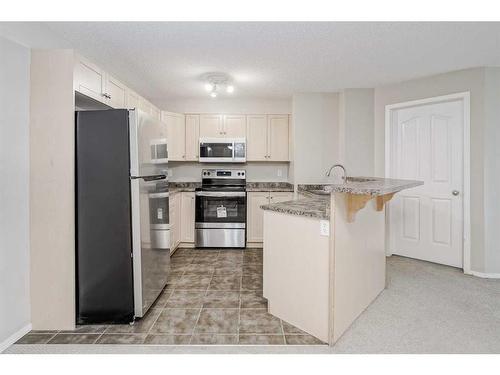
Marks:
<point>426,144</point>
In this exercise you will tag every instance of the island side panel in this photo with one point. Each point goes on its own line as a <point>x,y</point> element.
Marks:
<point>296,272</point>
<point>358,261</point>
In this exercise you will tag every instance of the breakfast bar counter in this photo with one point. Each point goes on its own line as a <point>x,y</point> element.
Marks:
<point>324,254</point>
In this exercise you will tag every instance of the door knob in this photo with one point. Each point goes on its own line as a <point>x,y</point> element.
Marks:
<point>455,192</point>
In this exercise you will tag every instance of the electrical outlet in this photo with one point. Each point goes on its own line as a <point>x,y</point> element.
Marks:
<point>170,173</point>
<point>324,228</point>
<point>280,172</point>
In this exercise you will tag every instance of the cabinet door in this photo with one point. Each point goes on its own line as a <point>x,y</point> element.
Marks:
<point>177,221</point>
<point>257,137</point>
<point>156,113</point>
<point>176,135</point>
<point>192,137</point>
<point>235,126</point>
<point>278,136</point>
<point>277,197</point>
<point>187,217</point>
<point>173,219</point>
<point>116,91</point>
<point>211,126</point>
<point>133,100</point>
<point>145,106</point>
<point>255,215</point>
<point>89,80</point>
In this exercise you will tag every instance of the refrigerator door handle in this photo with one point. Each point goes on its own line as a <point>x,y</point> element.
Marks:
<point>154,177</point>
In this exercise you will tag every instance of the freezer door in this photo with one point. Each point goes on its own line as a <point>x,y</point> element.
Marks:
<point>150,221</point>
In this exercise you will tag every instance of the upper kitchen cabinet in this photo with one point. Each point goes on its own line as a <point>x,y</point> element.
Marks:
<point>176,135</point>
<point>211,126</point>
<point>278,138</point>
<point>89,79</point>
<point>115,92</point>
<point>192,137</point>
<point>133,100</point>
<point>257,149</point>
<point>268,138</point>
<point>234,126</point>
<point>223,126</point>
<point>156,113</point>
<point>145,106</point>
<point>92,81</point>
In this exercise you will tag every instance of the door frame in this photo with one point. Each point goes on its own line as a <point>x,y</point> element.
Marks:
<point>464,97</point>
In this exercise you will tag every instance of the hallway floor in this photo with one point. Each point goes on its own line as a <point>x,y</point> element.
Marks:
<point>212,297</point>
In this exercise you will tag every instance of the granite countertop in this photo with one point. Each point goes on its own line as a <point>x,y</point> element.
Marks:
<point>361,185</point>
<point>317,201</point>
<point>251,186</point>
<point>183,186</point>
<point>316,207</point>
<point>270,186</point>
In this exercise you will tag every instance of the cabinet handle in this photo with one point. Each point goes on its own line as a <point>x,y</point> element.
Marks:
<point>106,95</point>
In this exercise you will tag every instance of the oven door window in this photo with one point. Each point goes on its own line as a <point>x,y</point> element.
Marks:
<point>220,209</point>
<point>216,150</point>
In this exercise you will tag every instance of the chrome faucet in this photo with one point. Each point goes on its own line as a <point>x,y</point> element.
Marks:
<point>339,166</point>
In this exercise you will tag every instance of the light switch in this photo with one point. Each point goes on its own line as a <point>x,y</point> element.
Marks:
<point>324,228</point>
<point>280,172</point>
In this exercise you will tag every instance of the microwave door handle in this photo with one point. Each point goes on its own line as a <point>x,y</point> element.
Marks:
<point>154,177</point>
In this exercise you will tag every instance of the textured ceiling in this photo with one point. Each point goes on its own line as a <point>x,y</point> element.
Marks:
<point>166,60</point>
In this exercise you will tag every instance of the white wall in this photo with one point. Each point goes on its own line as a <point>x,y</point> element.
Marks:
<point>483,86</point>
<point>14,190</point>
<point>222,105</point>
<point>315,136</point>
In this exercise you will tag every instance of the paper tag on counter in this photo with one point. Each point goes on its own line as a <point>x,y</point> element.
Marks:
<point>221,211</point>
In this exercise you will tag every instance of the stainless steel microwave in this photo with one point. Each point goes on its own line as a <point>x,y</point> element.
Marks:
<point>223,150</point>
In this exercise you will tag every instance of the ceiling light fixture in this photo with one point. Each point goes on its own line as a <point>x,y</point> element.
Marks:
<point>217,81</point>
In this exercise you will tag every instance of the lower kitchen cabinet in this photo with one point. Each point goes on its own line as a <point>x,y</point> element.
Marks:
<point>175,211</point>
<point>187,217</point>
<point>255,215</point>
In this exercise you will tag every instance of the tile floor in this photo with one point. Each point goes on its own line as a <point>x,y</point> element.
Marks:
<point>212,297</point>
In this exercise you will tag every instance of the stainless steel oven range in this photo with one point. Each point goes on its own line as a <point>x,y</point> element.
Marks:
<point>221,209</point>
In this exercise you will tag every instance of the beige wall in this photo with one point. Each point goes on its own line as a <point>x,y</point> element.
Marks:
<point>315,136</point>
<point>52,189</point>
<point>356,131</point>
<point>483,85</point>
<point>492,169</point>
<point>256,171</point>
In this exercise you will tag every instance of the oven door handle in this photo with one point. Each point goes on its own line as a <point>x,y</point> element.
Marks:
<point>220,194</point>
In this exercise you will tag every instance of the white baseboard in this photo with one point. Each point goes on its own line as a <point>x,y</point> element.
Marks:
<point>485,275</point>
<point>14,337</point>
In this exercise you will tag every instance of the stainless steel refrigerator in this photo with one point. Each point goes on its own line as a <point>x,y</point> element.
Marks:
<point>122,222</point>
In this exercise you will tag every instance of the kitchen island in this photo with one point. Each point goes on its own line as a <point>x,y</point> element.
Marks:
<point>324,254</point>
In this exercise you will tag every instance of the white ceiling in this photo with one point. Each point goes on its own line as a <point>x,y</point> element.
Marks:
<point>275,60</point>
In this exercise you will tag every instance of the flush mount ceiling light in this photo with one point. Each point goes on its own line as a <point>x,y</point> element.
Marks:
<point>215,82</point>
